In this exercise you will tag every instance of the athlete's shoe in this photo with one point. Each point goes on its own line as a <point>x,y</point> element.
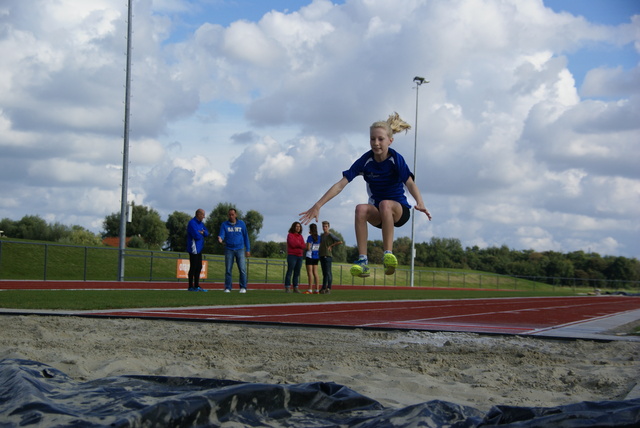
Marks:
<point>360,268</point>
<point>243,290</point>
<point>390,263</point>
<point>226,290</point>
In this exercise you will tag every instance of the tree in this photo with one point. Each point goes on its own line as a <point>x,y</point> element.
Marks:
<point>57,232</point>
<point>443,252</point>
<point>340,251</point>
<point>145,222</point>
<point>111,226</point>
<point>31,227</point>
<point>137,242</point>
<point>8,227</point>
<point>154,230</point>
<point>422,252</point>
<point>177,228</point>
<point>253,219</point>
<point>558,267</point>
<point>269,250</point>
<point>81,236</point>
<point>402,250</point>
<point>621,269</point>
<point>375,251</point>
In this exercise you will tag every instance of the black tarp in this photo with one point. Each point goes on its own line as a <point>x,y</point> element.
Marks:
<point>32,393</point>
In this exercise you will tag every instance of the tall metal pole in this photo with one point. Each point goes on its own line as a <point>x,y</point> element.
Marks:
<point>125,151</point>
<point>419,81</point>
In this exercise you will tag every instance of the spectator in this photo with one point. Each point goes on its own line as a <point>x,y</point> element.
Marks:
<point>234,236</point>
<point>295,249</point>
<point>312,258</point>
<point>196,232</point>
<point>327,241</point>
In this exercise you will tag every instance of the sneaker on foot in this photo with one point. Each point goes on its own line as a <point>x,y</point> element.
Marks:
<point>360,268</point>
<point>198,289</point>
<point>243,290</point>
<point>390,263</point>
<point>226,290</point>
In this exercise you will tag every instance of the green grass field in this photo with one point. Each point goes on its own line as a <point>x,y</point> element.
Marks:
<point>121,299</point>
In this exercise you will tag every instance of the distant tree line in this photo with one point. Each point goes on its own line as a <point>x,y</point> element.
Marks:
<point>148,230</point>
<point>588,267</point>
<point>35,228</point>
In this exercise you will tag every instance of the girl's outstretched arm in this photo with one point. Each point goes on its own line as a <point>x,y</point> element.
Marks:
<point>415,192</point>
<point>314,211</point>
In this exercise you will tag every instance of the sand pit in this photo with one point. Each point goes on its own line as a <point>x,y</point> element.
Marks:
<point>396,368</point>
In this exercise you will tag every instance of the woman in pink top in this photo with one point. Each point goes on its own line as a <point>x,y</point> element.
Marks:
<point>295,249</point>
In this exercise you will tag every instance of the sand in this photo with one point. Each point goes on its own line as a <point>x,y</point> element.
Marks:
<point>396,368</point>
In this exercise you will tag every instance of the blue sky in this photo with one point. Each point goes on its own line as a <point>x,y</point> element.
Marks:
<point>528,134</point>
<point>604,12</point>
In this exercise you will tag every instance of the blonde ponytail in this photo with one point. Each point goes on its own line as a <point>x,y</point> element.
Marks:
<point>393,124</point>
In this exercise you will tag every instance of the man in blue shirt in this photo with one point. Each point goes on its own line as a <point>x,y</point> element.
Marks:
<point>196,232</point>
<point>234,236</point>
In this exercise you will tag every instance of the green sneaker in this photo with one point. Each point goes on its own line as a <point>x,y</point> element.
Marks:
<point>360,268</point>
<point>390,263</point>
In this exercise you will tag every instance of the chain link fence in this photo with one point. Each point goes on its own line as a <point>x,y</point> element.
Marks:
<point>50,261</point>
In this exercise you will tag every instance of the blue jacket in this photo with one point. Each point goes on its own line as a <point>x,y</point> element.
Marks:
<point>235,236</point>
<point>195,239</point>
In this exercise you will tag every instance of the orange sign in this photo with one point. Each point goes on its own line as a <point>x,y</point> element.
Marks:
<point>182,268</point>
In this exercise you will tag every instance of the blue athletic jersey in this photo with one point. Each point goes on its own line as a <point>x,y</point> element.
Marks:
<point>385,180</point>
<point>314,252</point>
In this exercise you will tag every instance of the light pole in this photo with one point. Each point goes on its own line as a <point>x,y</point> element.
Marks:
<point>125,152</point>
<point>419,81</point>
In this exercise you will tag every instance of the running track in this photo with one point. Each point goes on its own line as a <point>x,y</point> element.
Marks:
<point>576,317</point>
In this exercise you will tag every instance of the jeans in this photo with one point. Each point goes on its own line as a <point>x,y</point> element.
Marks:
<point>294,264</point>
<point>327,274</point>
<point>229,256</point>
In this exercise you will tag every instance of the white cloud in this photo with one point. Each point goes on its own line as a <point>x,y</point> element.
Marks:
<point>267,113</point>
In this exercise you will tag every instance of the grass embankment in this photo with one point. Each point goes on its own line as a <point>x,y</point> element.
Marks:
<point>44,260</point>
<point>29,260</point>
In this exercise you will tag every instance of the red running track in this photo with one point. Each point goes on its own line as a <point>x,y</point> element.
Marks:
<point>527,316</point>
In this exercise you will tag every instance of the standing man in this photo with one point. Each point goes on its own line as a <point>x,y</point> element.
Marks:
<point>196,232</point>
<point>234,235</point>
<point>327,241</point>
